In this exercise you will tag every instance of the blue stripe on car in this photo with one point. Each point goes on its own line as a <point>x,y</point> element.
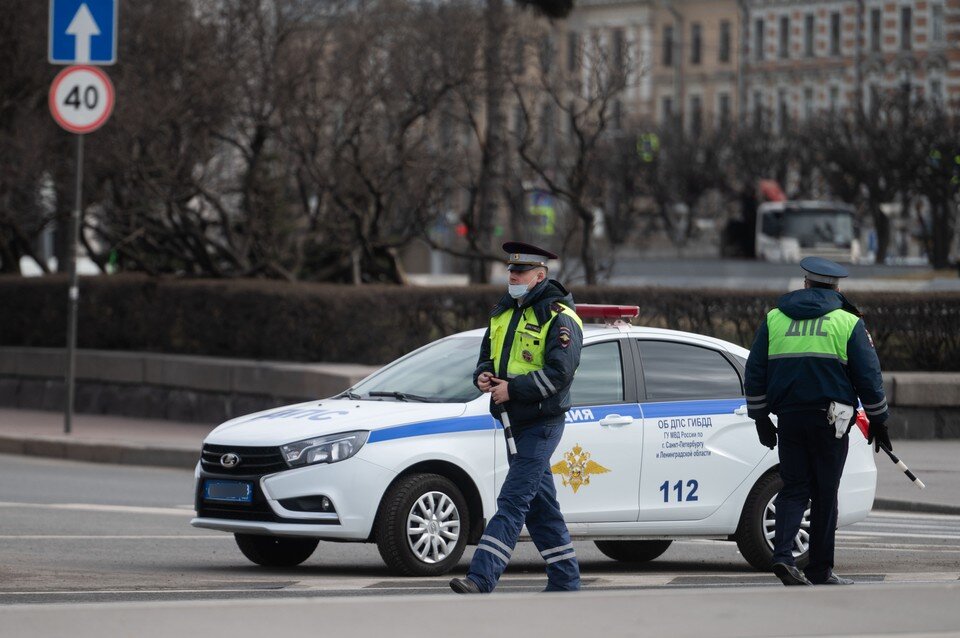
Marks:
<point>691,408</point>
<point>486,422</point>
<point>442,426</point>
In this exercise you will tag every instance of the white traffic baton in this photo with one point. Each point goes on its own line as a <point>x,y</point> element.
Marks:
<point>508,432</point>
<point>902,466</point>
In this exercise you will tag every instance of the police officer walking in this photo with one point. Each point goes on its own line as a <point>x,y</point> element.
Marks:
<point>811,360</point>
<point>527,360</point>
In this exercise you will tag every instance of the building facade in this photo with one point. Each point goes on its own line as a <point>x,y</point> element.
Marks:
<point>805,57</point>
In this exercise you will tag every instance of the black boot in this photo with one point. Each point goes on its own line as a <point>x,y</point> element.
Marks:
<point>790,575</point>
<point>464,586</point>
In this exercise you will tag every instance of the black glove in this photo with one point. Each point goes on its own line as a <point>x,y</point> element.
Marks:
<point>877,434</point>
<point>767,432</point>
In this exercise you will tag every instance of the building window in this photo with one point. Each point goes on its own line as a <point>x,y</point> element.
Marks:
<point>807,103</point>
<point>758,39</point>
<point>546,53</point>
<point>835,33</point>
<point>667,54</point>
<point>873,100</point>
<point>936,22</point>
<point>619,51</point>
<point>936,92</point>
<point>834,99</point>
<point>876,30</point>
<point>809,28</point>
<point>725,37</point>
<point>906,28</point>
<point>666,109</point>
<point>784,37</point>
<point>757,109</point>
<point>783,111</point>
<point>547,125</point>
<point>519,123</point>
<point>696,115</point>
<point>723,109</point>
<point>696,42</point>
<point>573,51</point>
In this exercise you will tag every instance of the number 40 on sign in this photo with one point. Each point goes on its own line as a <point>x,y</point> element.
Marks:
<point>81,99</point>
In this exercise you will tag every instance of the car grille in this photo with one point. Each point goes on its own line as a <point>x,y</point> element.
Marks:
<point>253,460</point>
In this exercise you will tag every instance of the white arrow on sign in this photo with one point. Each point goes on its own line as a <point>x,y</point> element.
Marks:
<point>82,28</point>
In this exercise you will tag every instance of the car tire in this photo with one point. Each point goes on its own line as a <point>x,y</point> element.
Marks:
<point>276,551</point>
<point>406,503</point>
<point>632,551</point>
<point>757,520</point>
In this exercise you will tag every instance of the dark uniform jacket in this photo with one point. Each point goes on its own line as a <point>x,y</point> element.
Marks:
<point>796,383</point>
<point>530,401</point>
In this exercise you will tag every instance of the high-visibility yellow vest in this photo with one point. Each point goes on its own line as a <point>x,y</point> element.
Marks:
<point>824,337</point>
<point>529,342</point>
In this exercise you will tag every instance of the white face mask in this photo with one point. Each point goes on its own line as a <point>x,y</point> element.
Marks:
<point>517,290</point>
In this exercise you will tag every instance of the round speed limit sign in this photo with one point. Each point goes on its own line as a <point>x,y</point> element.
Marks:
<point>81,98</point>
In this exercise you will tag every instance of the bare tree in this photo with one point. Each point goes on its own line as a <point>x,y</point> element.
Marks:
<point>31,145</point>
<point>937,137</point>
<point>364,130</point>
<point>480,217</point>
<point>566,128</point>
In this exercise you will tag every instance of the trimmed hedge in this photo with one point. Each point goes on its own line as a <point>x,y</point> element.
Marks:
<point>261,319</point>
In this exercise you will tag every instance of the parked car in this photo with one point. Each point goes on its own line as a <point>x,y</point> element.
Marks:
<point>657,447</point>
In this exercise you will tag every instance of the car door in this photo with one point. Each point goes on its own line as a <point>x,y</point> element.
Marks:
<point>699,444</point>
<point>596,466</point>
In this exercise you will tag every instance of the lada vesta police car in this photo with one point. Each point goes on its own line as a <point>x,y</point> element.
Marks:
<point>657,446</point>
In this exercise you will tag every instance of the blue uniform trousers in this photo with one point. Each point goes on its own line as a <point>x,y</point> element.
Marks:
<point>529,496</point>
<point>811,462</point>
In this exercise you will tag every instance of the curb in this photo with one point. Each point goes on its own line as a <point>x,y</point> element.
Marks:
<point>101,451</point>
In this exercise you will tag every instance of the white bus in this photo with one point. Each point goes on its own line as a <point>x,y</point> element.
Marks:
<point>789,231</point>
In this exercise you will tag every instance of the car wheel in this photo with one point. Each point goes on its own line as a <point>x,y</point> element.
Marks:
<point>755,532</point>
<point>276,551</point>
<point>632,551</point>
<point>421,529</point>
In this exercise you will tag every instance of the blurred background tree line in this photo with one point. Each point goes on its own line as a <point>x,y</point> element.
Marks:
<point>317,140</point>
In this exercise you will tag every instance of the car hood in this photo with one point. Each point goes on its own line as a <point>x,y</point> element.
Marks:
<point>318,418</point>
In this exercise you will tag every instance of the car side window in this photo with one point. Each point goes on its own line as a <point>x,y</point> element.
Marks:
<point>676,371</point>
<point>599,379</point>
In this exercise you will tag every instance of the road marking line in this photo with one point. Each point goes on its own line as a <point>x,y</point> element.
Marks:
<point>949,528</point>
<point>113,537</point>
<point>94,507</point>
<point>946,537</point>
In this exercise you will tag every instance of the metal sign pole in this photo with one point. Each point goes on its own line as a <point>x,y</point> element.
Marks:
<point>74,292</point>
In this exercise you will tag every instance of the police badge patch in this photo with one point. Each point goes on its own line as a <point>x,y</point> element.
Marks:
<point>563,336</point>
<point>870,339</point>
<point>527,356</point>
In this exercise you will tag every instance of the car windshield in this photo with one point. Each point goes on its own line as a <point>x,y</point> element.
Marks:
<point>440,372</point>
<point>811,227</point>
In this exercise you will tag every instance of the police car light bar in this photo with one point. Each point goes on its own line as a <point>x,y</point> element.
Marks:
<point>604,311</point>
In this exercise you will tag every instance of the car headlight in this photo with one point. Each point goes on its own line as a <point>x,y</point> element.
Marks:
<point>324,449</point>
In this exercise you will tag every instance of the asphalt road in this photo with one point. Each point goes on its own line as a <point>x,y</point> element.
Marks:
<point>88,533</point>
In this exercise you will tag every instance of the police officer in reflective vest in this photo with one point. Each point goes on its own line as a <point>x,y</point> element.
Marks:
<point>811,360</point>
<point>527,360</point>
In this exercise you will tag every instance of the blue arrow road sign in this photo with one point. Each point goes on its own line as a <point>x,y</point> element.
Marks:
<point>83,31</point>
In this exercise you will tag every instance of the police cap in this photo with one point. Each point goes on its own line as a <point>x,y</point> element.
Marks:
<point>526,256</point>
<point>823,270</point>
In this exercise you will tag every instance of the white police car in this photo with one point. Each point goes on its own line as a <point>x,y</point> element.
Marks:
<point>657,446</point>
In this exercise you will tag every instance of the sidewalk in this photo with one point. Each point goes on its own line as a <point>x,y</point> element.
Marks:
<point>124,440</point>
